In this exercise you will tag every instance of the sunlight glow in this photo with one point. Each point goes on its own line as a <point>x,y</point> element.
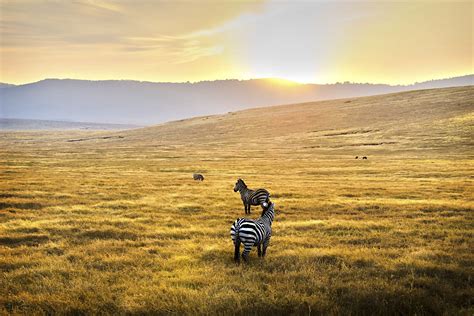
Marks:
<point>306,42</point>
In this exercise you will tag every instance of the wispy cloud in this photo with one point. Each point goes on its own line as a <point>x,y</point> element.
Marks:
<point>173,49</point>
<point>101,5</point>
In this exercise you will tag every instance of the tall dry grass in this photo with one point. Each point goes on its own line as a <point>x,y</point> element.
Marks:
<point>118,226</point>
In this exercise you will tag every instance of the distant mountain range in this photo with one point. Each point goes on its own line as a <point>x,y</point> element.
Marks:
<point>144,103</point>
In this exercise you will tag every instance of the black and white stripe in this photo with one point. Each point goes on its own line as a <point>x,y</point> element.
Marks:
<point>251,197</point>
<point>253,233</point>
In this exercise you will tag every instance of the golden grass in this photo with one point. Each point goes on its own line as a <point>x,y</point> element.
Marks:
<point>118,226</point>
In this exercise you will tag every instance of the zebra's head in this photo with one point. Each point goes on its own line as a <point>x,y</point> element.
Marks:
<point>267,206</point>
<point>239,185</point>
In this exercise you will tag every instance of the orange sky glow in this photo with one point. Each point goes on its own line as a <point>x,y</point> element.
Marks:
<point>176,41</point>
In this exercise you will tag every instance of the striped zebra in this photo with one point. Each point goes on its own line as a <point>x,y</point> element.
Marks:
<point>251,197</point>
<point>253,232</point>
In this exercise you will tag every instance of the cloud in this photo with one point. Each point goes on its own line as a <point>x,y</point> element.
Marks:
<point>81,21</point>
<point>173,49</point>
<point>120,38</point>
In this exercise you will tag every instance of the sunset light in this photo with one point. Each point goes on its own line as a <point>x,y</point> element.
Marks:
<point>309,42</point>
<point>236,157</point>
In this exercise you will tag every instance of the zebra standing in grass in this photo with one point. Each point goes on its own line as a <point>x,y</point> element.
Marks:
<point>198,177</point>
<point>251,197</point>
<point>253,232</point>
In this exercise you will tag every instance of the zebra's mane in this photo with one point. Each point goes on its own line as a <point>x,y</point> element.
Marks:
<point>265,210</point>
<point>242,183</point>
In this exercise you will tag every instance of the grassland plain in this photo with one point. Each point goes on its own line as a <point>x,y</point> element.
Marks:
<point>112,222</point>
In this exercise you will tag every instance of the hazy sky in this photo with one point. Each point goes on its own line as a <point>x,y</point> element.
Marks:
<point>306,41</point>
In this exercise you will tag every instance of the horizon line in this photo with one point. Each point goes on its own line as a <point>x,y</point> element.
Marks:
<point>249,79</point>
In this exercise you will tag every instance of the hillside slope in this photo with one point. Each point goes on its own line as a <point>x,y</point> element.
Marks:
<point>424,120</point>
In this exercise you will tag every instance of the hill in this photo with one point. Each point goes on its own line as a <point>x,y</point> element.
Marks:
<point>420,122</point>
<point>112,222</point>
<point>133,102</point>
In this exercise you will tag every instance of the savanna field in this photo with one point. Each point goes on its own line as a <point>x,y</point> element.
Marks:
<point>113,222</point>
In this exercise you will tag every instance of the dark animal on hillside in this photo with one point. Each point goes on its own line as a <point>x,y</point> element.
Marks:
<point>198,177</point>
<point>364,157</point>
<point>357,157</point>
<point>250,197</point>
<point>253,233</point>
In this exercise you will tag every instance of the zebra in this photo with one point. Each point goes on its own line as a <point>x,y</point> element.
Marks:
<point>197,176</point>
<point>253,232</point>
<point>250,197</point>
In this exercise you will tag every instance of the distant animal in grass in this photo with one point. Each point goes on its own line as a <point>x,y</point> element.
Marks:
<point>357,157</point>
<point>198,177</point>
<point>251,197</point>
<point>253,233</point>
<point>364,157</point>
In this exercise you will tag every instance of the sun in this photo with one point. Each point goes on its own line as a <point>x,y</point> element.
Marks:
<point>282,82</point>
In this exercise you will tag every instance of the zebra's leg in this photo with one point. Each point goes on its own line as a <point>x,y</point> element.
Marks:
<point>245,253</point>
<point>237,251</point>
<point>265,245</point>
<point>249,208</point>
<point>259,249</point>
<point>245,207</point>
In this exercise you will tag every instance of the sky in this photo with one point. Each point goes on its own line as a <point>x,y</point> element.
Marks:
<point>398,42</point>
